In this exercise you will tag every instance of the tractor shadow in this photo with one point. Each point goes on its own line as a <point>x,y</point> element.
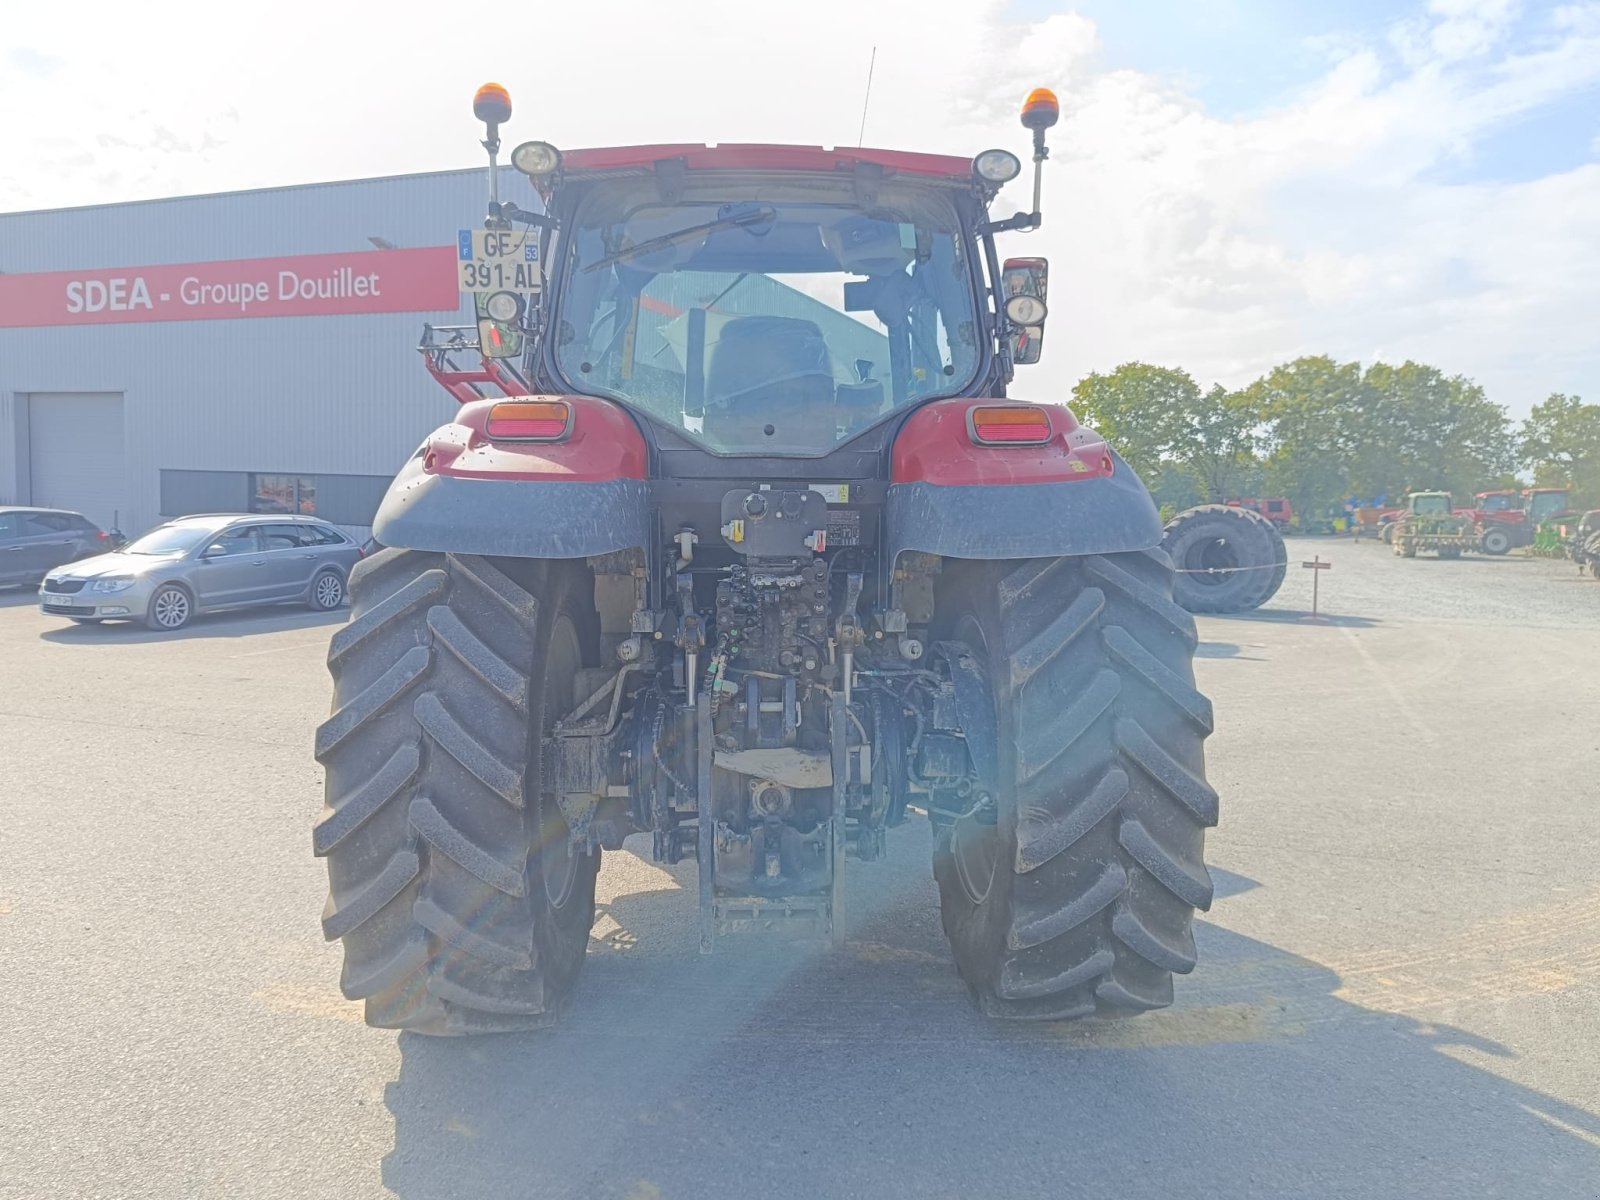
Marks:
<point>1230,650</point>
<point>787,1070</point>
<point>1290,616</point>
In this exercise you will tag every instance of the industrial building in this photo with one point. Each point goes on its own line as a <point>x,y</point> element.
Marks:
<point>249,351</point>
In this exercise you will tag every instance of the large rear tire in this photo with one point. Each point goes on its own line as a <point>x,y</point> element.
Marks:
<point>1495,541</point>
<point>1228,559</point>
<point>453,887</point>
<point>1077,894</point>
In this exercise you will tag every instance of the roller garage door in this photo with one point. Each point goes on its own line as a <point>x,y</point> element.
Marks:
<point>75,454</point>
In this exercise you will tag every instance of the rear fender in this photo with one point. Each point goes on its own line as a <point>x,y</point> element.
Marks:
<point>464,492</point>
<point>1071,495</point>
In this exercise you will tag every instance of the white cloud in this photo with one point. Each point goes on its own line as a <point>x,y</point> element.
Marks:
<point>1223,245</point>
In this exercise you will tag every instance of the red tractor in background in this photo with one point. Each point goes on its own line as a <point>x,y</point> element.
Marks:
<point>752,554</point>
<point>1507,519</point>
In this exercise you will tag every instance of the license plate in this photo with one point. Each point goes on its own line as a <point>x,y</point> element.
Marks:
<point>67,600</point>
<point>498,260</point>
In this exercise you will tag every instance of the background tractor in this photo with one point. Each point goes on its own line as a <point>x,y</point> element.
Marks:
<point>1429,522</point>
<point>739,541</point>
<point>1550,516</point>
<point>1506,520</point>
<point>1583,542</point>
<point>1501,521</point>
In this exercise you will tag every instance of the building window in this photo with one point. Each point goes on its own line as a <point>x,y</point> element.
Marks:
<point>283,494</point>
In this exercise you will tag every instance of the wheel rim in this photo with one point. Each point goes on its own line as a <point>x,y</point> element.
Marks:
<point>172,608</point>
<point>974,844</point>
<point>329,591</point>
<point>558,865</point>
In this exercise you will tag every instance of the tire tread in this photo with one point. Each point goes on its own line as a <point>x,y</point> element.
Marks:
<point>1110,798</point>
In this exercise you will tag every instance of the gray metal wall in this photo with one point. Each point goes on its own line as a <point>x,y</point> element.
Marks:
<point>337,395</point>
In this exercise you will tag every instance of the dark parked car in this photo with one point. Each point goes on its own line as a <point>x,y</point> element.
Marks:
<point>35,540</point>
<point>206,564</point>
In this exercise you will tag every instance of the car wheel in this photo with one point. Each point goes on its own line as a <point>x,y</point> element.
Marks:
<point>327,591</point>
<point>170,608</point>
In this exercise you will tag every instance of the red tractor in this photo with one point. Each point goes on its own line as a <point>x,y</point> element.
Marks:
<point>1506,519</point>
<point>754,552</point>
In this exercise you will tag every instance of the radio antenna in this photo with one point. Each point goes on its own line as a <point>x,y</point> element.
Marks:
<point>867,99</point>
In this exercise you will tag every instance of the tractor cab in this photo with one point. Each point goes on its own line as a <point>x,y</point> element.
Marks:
<point>750,299</point>
<point>1498,502</point>
<point>1544,504</point>
<point>1429,504</point>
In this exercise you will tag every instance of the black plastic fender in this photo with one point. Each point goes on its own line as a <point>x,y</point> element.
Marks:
<point>1106,515</point>
<point>519,518</point>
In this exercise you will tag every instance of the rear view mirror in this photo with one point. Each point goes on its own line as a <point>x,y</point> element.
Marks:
<point>497,340</point>
<point>215,550</point>
<point>1026,277</point>
<point>500,324</point>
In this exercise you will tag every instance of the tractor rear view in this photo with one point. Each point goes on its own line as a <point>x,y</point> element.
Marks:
<point>1430,523</point>
<point>753,554</point>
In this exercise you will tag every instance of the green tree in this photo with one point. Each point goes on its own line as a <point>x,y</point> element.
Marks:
<point>1561,445</point>
<point>1142,410</point>
<point>1419,428</point>
<point>1218,446</point>
<point>1333,430</point>
<point>1187,445</point>
<point>1309,411</point>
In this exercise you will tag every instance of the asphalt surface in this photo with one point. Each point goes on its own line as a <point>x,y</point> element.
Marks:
<point>1396,997</point>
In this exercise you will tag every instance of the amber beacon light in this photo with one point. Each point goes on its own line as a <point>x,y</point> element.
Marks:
<point>1040,110</point>
<point>492,104</point>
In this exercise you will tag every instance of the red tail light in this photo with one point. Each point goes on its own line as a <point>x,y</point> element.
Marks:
<point>1009,425</point>
<point>529,421</point>
<point>102,535</point>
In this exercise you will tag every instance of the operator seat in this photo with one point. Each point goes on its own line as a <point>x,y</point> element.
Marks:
<point>769,371</point>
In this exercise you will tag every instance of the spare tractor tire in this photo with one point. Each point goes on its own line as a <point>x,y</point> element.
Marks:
<point>1227,559</point>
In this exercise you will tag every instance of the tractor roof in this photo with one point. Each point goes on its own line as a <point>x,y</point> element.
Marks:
<point>621,160</point>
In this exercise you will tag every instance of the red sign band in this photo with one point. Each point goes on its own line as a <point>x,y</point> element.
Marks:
<point>306,285</point>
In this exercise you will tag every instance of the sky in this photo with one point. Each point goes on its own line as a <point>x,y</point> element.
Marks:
<point>1234,183</point>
